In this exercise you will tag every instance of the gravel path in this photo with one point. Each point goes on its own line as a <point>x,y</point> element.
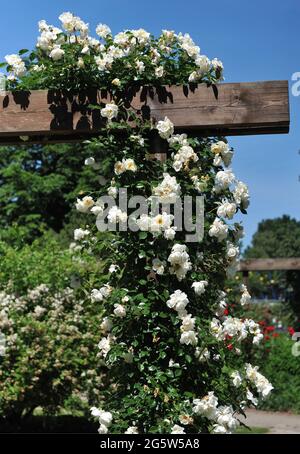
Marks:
<point>278,423</point>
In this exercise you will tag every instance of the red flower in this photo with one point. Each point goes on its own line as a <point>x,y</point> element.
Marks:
<point>270,328</point>
<point>275,334</point>
<point>291,330</point>
<point>226,312</point>
<point>230,346</point>
<point>262,322</point>
<point>267,338</point>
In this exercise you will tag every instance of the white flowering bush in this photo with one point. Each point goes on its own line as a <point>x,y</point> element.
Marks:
<point>48,332</point>
<point>69,58</point>
<point>172,353</point>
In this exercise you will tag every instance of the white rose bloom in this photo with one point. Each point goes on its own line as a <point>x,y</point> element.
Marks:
<point>189,338</point>
<point>68,21</point>
<point>186,419</point>
<point>168,190</point>
<point>90,161</point>
<point>140,66</point>
<point>105,345</point>
<point>98,208</point>
<point>103,429</point>
<point>202,354</point>
<point>115,215</point>
<point>241,195</point>
<point>121,39</point>
<point>223,179</point>
<point>199,287</point>
<point>232,251</point>
<point>159,72</point>
<point>251,398</point>
<point>112,191</point>
<point>161,222</point>
<point>183,157</point>
<point>216,329</point>
<point>110,111</point>
<point>207,406</point>
<point>178,301</point>
<point>226,209</point>
<point>246,297</point>
<point>144,223</point>
<point>176,429</point>
<point>170,233</point>
<point>103,30</point>
<point>236,378</point>
<point>116,82</point>
<point>141,35</point>
<point>180,261</point>
<point>187,323</point>
<point>79,234</point>
<point>119,167</point>
<point>218,229</point>
<point>203,63</point>
<point>194,77</point>
<point>158,266</point>
<point>181,139</point>
<point>106,324</point>
<point>225,418</point>
<point>130,165</point>
<point>165,128</point>
<point>84,205</point>
<point>218,429</point>
<point>132,430</point>
<point>56,53</point>
<point>113,268</point>
<point>105,418</point>
<point>234,327</point>
<point>119,310</point>
<point>96,295</point>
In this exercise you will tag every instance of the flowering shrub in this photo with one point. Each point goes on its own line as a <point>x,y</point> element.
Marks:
<point>48,331</point>
<point>172,354</point>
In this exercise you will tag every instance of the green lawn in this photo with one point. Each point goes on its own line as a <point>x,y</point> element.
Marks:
<point>252,430</point>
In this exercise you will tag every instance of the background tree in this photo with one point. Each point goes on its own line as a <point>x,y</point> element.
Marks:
<point>279,237</point>
<point>38,186</point>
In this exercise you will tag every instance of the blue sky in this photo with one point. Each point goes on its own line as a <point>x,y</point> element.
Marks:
<point>257,40</point>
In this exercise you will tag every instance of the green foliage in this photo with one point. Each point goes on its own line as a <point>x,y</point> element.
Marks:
<point>279,237</point>
<point>283,370</point>
<point>39,185</point>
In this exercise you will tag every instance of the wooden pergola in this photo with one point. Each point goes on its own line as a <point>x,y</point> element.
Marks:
<point>276,264</point>
<point>43,116</point>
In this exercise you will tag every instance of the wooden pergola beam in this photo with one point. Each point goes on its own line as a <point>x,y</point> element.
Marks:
<point>278,264</point>
<point>222,110</point>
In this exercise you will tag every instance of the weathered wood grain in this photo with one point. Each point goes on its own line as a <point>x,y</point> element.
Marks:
<point>278,264</point>
<point>226,109</point>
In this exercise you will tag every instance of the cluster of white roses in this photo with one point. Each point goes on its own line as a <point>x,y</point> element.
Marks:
<point>222,416</point>
<point>106,49</point>
<point>183,157</point>
<point>178,301</point>
<point>125,165</point>
<point>104,417</point>
<point>223,153</point>
<point>17,66</point>
<point>161,223</point>
<point>223,328</point>
<point>179,260</point>
<point>232,327</point>
<point>168,190</point>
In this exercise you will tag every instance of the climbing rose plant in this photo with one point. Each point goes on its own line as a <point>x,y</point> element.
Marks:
<point>173,354</point>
